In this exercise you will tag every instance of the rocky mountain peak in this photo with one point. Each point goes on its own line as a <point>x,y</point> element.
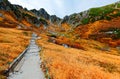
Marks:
<point>55,19</point>
<point>42,13</point>
<point>5,5</point>
<point>42,10</point>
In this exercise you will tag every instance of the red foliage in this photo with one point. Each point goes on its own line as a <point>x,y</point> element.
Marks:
<point>113,44</point>
<point>118,42</point>
<point>105,40</point>
<point>64,40</point>
<point>77,45</point>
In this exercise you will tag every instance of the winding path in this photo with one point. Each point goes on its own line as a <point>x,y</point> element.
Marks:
<point>29,67</point>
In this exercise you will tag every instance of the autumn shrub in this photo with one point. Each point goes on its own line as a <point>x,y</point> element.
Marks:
<point>62,40</point>
<point>69,42</point>
<point>77,45</point>
<point>105,40</point>
<point>118,42</point>
<point>113,44</point>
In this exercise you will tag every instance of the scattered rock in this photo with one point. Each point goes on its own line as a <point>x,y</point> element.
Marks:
<point>1,14</point>
<point>19,27</point>
<point>65,45</point>
<point>118,47</point>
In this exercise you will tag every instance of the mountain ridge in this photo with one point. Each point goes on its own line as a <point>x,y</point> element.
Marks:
<point>34,17</point>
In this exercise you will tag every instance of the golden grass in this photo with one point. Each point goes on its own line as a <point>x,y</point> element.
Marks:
<point>12,43</point>
<point>1,19</point>
<point>70,63</point>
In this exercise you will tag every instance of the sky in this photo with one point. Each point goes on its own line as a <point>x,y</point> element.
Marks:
<point>62,7</point>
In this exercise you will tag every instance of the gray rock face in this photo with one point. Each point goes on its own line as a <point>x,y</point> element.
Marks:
<point>1,14</point>
<point>65,19</point>
<point>44,14</point>
<point>1,0</point>
<point>54,19</point>
<point>5,5</point>
<point>118,47</point>
<point>41,13</point>
<point>76,18</point>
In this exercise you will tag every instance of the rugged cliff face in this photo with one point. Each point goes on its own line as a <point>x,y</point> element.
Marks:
<point>55,19</point>
<point>41,13</point>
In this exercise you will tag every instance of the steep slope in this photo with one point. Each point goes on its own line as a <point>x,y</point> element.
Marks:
<point>23,18</point>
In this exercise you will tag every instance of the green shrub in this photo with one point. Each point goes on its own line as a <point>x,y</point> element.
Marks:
<point>43,21</point>
<point>101,11</point>
<point>118,5</point>
<point>117,32</point>
<point>108,18</point>
<point>85,21</point>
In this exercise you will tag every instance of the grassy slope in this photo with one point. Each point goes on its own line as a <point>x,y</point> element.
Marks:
<point>70,63</point>
<point>12,43</point>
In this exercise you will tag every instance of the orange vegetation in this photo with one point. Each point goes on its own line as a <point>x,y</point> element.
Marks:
<point>8,20</point>
<point>93,31</point>
<point>69,63</point>
<point>12,43</point>
<point>1,19</point>
<point>69,42</point>
<point>112,43</point>
<point>26,23</point>
<point>93,28</point>
<point>9,16</point>
<point>65,27</point>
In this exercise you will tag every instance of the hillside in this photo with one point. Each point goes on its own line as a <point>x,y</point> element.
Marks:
<point>83,45</point>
